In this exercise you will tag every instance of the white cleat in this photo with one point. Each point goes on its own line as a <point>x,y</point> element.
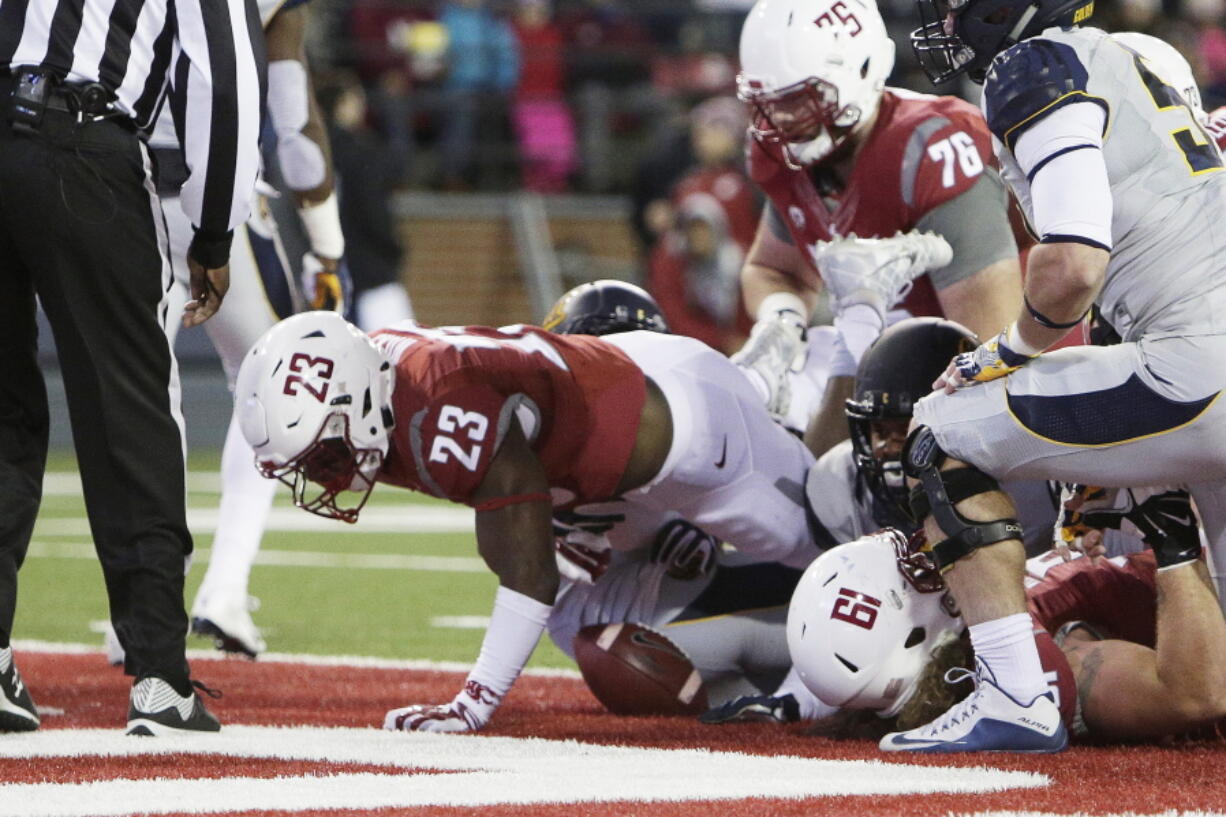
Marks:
<point>227,620</point>
<point>878,271</point>
<point>988,720</point>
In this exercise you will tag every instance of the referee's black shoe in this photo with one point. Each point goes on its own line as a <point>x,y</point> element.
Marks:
<point>156,709</point>
<point>17,712</point>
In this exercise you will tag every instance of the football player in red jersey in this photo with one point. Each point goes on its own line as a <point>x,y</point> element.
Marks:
<point>1141,651</point>
<point>517,423</point>
<point>839,154</point>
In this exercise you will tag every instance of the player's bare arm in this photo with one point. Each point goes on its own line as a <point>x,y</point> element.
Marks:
<point>986,301</point>
<point>285,37</point>
<point>514,534</point>
<point>305,155</point>
<point>1129,690</point>
<point>774,264</point>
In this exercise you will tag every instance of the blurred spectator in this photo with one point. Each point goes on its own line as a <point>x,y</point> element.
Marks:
<point>543,122</point>
<point>366,175</point>
<point>1206,16</point>
<point>609,54</point>
<point>482,67</point>
<point>400,50</point>
<point>695,267</point>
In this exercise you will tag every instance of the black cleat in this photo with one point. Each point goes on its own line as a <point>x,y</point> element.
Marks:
<point>17,712</point>
<point>155,709</point>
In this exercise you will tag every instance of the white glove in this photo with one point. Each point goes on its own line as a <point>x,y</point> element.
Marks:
<point>878,272</point>
<point>771,352</point>
<point>468,712</point>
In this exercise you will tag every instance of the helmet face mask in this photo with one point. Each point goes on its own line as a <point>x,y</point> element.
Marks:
<point>895,373</point>
<point>314,395</point>
<point>963,36</point>
<point>329,468</point>
<point>804,120</point>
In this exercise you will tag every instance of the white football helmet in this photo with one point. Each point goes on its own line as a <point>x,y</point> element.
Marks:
<point>1170,66</point>
<point>812,72</point>
<point>314,397</point>
<point>864,621</point>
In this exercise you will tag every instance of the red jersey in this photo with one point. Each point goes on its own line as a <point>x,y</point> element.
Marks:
<point>1217,127</point>
<point>578,400</point>
<point>1118,595</point>
<point>923,151</point>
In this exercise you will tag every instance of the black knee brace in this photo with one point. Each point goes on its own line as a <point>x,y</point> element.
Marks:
<point>939,491</point>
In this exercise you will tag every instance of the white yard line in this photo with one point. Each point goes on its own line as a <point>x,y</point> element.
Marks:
<point>40,549</point>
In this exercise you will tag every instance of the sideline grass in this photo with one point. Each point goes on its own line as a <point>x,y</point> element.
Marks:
<point>320,610</point>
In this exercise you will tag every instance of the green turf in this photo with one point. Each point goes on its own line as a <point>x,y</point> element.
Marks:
<point>320,610</point>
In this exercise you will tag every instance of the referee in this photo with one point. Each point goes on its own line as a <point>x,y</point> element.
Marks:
<point>81,83</point>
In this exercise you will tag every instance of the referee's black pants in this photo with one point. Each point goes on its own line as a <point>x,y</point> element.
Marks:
<point>81,228</point>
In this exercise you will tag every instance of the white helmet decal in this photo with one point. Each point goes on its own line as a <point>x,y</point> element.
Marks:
<point>812,73</point>
<point>314,398</point>
<point>863,623</point>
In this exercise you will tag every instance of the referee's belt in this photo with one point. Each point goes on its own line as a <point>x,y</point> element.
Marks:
<point>88,101</point>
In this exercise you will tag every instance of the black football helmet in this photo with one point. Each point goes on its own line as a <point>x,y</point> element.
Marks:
<point>895,372</point>
<point>605,308</point>
<point>981,29</point>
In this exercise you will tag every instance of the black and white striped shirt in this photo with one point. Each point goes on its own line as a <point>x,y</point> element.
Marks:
<point>206,55</point>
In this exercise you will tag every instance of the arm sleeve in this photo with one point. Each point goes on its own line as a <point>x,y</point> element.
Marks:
<point>218,85</point>
<point>976,225</point>
<point>1070,192</point>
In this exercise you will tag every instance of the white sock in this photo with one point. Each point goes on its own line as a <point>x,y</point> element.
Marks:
<point>6,659</point>
<point>246,498</point>
<point>811,707</point>
<point>1008,648</point>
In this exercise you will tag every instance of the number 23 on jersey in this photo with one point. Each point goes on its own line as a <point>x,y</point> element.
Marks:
<point>461,435</point>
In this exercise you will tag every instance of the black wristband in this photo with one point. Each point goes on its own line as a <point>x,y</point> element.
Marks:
<point>1043,320</point>
<point>211,250</point>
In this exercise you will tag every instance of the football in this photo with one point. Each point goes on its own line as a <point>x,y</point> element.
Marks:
<point>634,670</point>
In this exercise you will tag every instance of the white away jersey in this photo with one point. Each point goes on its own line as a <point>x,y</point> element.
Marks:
<point>1167,273</point>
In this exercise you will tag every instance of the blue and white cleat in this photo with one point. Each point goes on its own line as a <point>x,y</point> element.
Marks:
<point>987,720</point>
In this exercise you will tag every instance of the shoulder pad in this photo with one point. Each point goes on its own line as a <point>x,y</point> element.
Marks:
<point>1029,81</point>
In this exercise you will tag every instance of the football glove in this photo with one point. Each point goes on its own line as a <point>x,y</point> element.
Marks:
<point>754,709</point>
<point>468,712</point>
<point>326,288</point>
<point>582,557</point>
<point>772,350</point>
<point>877,272</point>
<point>989,361</point>
<point>1161,516</point>
<point>685,550</point>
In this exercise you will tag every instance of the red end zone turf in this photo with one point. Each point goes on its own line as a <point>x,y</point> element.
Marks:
<point>90,694</point>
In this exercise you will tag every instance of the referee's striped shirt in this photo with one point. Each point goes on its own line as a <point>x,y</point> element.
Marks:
<point>206,55</point>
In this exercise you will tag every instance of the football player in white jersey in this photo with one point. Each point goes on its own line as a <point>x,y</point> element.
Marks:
<point>623,562</point>
<point>262,291</point>
<point>1125,190</point>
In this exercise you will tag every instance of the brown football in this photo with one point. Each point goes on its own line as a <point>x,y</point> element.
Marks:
<point>634,670</point>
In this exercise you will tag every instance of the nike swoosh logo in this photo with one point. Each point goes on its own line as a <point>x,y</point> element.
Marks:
<point>723,454</point>
<point>899,740</point>
<point>1179,520</point>
<point>643,640</point>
